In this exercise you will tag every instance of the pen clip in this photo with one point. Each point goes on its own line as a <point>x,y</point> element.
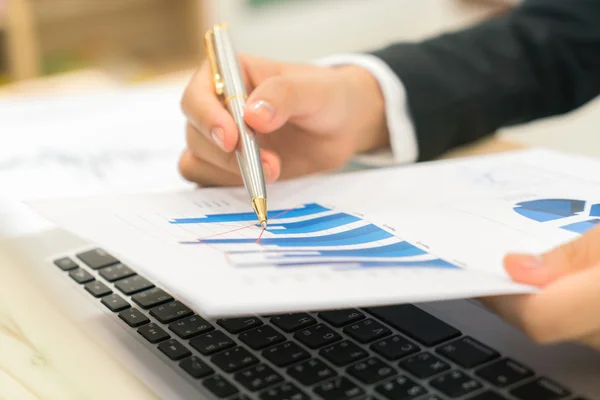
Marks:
<point>214,65</point>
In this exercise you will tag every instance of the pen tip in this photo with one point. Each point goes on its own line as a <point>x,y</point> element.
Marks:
<point>260,206</point>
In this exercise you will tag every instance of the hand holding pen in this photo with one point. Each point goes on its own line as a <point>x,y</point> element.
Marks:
<point>307,118</point>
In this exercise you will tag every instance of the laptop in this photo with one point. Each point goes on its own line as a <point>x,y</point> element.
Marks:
<point>443,350</point>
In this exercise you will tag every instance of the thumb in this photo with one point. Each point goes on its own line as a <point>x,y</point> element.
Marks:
<point>281,98</point>
<point>569,258</point>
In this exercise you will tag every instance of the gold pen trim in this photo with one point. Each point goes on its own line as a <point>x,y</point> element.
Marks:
<point>234,96</point>
<point>213,63</point>
<point>260,208</point>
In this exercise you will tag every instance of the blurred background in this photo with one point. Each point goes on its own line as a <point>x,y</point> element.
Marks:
<point>139,39</point>
<point>62,45</point>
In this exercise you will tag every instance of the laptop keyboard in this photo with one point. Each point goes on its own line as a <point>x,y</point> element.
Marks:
<point>395,352</point>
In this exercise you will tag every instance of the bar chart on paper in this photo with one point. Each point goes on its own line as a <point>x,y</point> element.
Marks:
<point>308,236</point>
<point>330,242</point>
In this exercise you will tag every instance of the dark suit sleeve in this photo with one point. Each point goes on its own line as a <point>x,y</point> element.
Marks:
<point>541,59</point>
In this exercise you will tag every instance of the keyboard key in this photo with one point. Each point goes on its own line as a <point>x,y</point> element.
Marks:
<point>65,263</point>
<point>212,342</point>
<point>220,387</point>
<point>287,391</point>
<point>424,365</point>
<point>97,289</point>
<point>488,395</point>
<point>261,337</point>
<point>133,285</point>
<point>401,388</point>
<point>540,389</point>
<point>151,298</point>
<point>395,347</point>
<point>191,326</point>
<point>116,272</point>
<point>467,352</point>
<point>293,322</point>
<point>371,371</point>
<point>196,367</point>
<point>367,331</point>
<point>457,383</point>
<point>241,397</point>
<point>133,317</point>
<point>339,318</point>
<point>174,350</point>
<point>317,336</point>
<point>81,276</point>
<point>153,333</point>
<point>97,258</point>
<point>339,388</point>
<point>285,354</point>
<point>234,359</point>
<point>311,371</point>
<point>416,323</point>
<point>343,353</point>
<point>115,303</point>
<point>170,312</point>
<point>238,325</point>
<point>504,372</point>
<point>258,377</point>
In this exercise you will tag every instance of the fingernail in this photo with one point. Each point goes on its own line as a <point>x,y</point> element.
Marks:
<point>263,110</point>
<point>218,136</point>
<point>528,260</point>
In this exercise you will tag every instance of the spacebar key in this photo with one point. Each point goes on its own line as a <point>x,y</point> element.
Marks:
<point>416,323</point>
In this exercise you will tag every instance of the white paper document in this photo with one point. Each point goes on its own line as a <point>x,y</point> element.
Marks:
<point>426,232</point>
<point>114,141</point>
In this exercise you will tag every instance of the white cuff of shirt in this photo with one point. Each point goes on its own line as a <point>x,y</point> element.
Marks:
<point>403,141</point>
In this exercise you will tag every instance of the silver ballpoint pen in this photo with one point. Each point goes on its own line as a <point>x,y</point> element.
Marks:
<point>229,85</point>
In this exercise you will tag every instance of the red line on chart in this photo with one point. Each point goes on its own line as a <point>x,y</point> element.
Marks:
<point>216,249</point>
<point>201,240</point>
<point>230,231</point>
<point>283,213</point>
<point>259,236</point>
<point>224,253</point>
<point>245,227</point>
<point>226,225</point>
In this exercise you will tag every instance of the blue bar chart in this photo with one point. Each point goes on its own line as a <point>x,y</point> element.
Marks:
<point>311,235</point>
<point>306,210</point>
<point>544,210</point>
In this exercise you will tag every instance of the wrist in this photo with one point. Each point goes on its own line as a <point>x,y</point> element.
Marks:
<point>367,105</point>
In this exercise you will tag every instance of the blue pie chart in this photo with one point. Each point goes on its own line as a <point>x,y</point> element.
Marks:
<point>544,210</point>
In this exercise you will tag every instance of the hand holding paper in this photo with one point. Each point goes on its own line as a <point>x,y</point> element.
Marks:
<point>566,308</point>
